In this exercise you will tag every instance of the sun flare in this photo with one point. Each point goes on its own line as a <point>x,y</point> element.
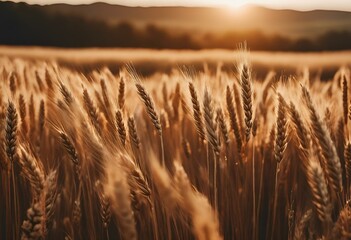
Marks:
<point>235,7</point>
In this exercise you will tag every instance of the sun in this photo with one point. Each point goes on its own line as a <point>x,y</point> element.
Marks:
<point>235,6</point>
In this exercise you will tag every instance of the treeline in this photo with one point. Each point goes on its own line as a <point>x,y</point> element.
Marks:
<point>22,24</point>
<point>25,25</point>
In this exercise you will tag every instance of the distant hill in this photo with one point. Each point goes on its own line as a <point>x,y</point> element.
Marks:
<point>104,25</point>
<point>201,19</point>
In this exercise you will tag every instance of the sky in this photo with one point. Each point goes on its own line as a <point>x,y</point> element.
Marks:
<point>292,4</point>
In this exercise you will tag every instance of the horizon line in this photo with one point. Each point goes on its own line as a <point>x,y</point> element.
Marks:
<point>267,6</point>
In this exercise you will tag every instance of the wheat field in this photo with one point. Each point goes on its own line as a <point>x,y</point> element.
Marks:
<point>186,155</point>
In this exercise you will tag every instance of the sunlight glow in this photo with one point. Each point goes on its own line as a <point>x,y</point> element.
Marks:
<point>235,5</point>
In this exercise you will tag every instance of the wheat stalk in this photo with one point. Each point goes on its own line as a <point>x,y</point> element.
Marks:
<point>149,104</point>
<point>330,158</point>
<point>279,149</point>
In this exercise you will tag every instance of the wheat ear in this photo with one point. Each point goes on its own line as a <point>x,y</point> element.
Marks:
<point>330,157</point>
<point>92,111</point>
<point>209,123</point>
<point>51,193</point>
<point>32,171</point>
<point>176,101</point>
<point>223,126</point>
<point>67,96</point>
<point>23,114</point>
<point>105,205</point>
<point>120,127</point>
<point>302,224</point>
<point>347,157</point>
<point>12,83</point>
<point>105,94</point>
<point>233,118</point>
<point>133,133</point>
<point>279,149</point>
<point>11,132</point>
<point>123,210</point>
<point>246,94</point>
<point>32,229</point>
<point>345,98</point>
<point>300,128</point>
<point>49,80</point>
<point>121,93</point>
<point>41,117</point>
<point>281,124</point>
<point>149,107</point>
<point>71,150</point>
<point>149,104</point>
<point>318,186</point>
<point>197,114</point>
<point>204,219</point>
<point>342,227</point>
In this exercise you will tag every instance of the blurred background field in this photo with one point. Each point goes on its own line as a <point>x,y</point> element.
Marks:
<point>151,61</point>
